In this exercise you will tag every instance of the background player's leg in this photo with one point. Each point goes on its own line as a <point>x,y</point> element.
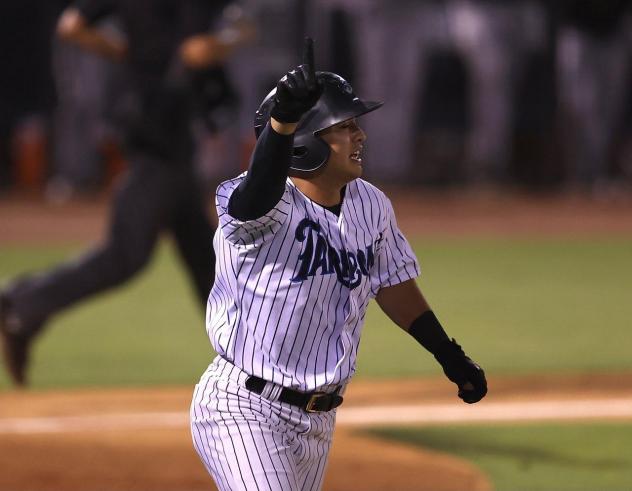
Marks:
<point>193,234</point>
<point>138,213</point>
<point>140,210</point>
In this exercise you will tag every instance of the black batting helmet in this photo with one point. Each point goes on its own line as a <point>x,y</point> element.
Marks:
<point>337,103</point>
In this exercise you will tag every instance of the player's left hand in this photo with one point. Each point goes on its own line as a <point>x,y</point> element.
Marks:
<point>299,90</point>
<point>460,369</point>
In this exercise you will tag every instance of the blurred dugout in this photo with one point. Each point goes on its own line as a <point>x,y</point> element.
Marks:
<point>84,135</point>
<point>594,51</point>
<point>477,91</point>
<point>468,53</point>
<point>27,93</point>
<point>471,90</point>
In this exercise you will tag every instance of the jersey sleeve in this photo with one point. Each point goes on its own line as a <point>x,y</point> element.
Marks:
<point>395,261</point>
<point>250,233</point>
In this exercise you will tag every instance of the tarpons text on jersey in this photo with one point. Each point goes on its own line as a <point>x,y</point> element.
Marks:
<point>319,256</point>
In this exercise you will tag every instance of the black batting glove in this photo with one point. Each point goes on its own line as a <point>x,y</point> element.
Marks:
<point>298,91</point>
<point>467,375</point>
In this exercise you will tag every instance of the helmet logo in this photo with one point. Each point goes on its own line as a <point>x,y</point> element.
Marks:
<point>343,85</point>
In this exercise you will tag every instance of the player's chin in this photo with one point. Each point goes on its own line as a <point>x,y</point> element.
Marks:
<point>355,168</point>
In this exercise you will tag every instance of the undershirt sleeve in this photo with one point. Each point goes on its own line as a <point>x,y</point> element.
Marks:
<point>264,184</point>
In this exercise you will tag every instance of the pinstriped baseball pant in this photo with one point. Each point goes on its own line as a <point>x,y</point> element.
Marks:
<point>248,442</point>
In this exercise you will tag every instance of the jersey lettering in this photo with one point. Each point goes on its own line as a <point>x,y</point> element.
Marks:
<point>319,254</point>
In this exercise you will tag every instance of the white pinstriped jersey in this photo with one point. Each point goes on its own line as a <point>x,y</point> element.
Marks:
<point>292,287</point>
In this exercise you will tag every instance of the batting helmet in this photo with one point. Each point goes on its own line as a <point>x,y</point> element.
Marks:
<point>337,103</point>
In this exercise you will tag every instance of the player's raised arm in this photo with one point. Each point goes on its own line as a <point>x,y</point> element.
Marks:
<point>295,94</point>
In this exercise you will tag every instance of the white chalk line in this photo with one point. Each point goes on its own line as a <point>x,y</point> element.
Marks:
<point>384,415</point>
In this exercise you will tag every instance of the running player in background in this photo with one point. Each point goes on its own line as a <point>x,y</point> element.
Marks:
<point>298,260</point>
<point>175,67</point>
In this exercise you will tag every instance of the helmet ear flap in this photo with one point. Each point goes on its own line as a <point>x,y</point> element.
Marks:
<point>310,153</point>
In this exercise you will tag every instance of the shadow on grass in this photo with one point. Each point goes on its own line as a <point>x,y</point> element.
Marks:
<point>469,446</point>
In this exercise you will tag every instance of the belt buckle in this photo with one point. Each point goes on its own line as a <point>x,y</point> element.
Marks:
<point>312,402</point>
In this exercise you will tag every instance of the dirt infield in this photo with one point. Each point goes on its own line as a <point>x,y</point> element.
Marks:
<point>453,214</point>
<point>67,458</point>
<point>151,457</point>
<point>77,443</point>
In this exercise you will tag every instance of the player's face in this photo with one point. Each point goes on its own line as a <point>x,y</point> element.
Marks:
<point>346,140</point>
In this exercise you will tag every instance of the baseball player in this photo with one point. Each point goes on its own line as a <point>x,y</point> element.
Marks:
<point>298,259</point>
<point>174,66</point>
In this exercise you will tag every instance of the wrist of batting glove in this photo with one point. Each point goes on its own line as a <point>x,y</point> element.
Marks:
<point>283,115</point>
<point>467,375</point>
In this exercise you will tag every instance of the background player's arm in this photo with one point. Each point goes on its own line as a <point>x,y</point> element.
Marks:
<point>406,306</point>
<point>212,48</point>
<point>74,28</point>
<point>197,51</point>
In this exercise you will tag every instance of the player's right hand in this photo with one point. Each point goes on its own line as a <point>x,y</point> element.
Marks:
<point>298,91</point>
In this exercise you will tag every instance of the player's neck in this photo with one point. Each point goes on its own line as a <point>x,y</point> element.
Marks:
<point>329,195</point>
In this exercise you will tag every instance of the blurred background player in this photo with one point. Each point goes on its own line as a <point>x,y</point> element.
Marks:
<point>173,62</point>
<point>492,92</point>
<point>594,75</point>
<point>489,92</point>
<point>83,135</point>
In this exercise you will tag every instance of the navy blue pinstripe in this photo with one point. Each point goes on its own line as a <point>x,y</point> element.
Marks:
<point>273,446</point>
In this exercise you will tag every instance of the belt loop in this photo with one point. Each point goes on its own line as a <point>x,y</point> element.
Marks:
<point>271,391</point>
<point>275,394</point>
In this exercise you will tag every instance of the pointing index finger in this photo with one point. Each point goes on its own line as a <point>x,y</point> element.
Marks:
<point>308,55</point>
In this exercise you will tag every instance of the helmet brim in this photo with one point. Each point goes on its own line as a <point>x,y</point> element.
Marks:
<point>360,108</point>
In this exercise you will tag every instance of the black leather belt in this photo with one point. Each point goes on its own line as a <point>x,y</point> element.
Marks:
<point>312,402</point>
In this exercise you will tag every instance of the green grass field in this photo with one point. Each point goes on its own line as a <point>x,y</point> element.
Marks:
<point>517,306</point>
<point>149,331</point>
<point>536,457</point>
